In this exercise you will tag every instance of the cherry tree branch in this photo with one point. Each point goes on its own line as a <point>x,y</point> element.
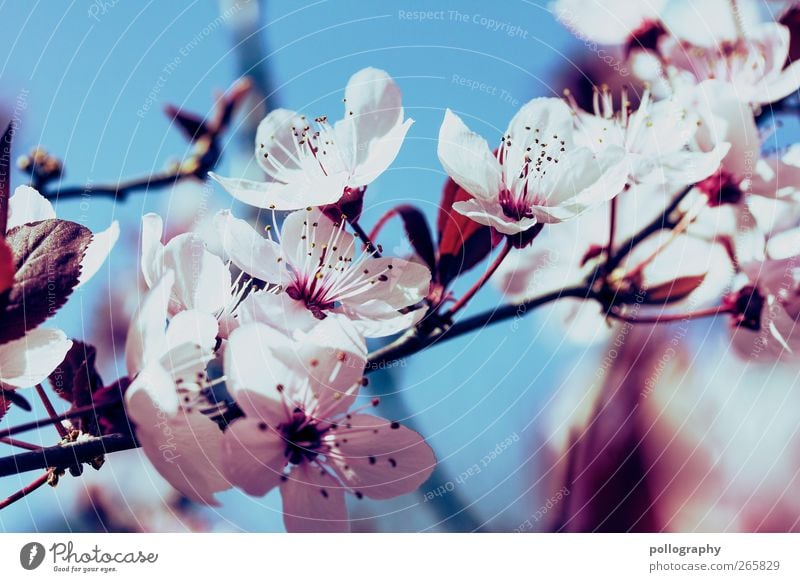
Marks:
<point>204,133</point>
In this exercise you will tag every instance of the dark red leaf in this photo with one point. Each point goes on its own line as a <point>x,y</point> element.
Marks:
<point>112,418</point>
<point>76,380</point>
<point>5,175</point>
<point>463,243</point>
<point>47,264</point>
<point>674,290</point>
<point>5,404</point>
<point>6,267</point>
<point>417,231</point>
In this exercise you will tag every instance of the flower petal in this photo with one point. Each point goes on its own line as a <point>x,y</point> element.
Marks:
<point>300,193</point>
<point>97,252</point>
<point>313,501</point>
<point>253,456</point>
<point>251,252</point>
<point>277,310</point>
<point>467,159</point>
<point>378,458</point>
<point>27,361</point>
<point>26,206</point>
<point>490,213</point>
<point>380,154</point>
<point>146,341</point>
<point>276,144</point>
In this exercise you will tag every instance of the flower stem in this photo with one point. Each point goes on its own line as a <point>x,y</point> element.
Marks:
<point>29,488</point>
<point>458,305</point>
<point>51,411</point>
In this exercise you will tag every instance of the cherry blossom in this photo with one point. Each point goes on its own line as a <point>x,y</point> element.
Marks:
<point>658,138</point>
<point>299,432</point>
<point>540,173</point>
<point>165,399</point>
<point>752,64</point>
<point>202,279</point>
<point>313,163</point>
<point>317,271</point>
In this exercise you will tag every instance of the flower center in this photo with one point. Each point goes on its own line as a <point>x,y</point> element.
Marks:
<point>526,162</point>
<point>303,438</point>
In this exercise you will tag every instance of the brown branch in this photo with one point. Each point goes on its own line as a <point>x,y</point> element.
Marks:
<point>204,133</point>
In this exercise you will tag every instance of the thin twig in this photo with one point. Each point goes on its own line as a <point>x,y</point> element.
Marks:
<point>30,488</point>
<point>19,444</point>
<point>51,411</point>
<point>458,305</point>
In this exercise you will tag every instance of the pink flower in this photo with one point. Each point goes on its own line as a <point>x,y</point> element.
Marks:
<point>297,433</point>
<point>317,272</point>
<point>311,164</point>
<point>608,22</point>
<point>539,175</point>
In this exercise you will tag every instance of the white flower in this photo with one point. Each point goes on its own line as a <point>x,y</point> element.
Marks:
<point>165,401</point>
<point>658,138</point>
<point>539,175</point>
<point>299,432</point>
<point>752,65</point>
<point>312,163</point>
<point>202,279</point>
<point>317,271</point>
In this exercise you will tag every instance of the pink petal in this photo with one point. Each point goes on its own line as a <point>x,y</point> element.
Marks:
<point>313,501</point>
<point>378,458</point>
<point>253,456</point>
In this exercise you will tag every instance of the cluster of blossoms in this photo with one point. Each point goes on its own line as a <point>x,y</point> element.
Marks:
<point>250,360</point>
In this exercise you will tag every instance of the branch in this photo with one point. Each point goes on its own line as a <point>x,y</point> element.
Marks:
<point>662,222</point>
<point>63,456</point>
<point>204,133</point>
<point>412,342</point>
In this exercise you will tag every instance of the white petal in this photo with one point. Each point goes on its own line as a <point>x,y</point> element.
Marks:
<point>467,159</point>
<point>251,252</point>
<point>152,249</point>
<point>277,310</point>
<point>97,252</point>
<point>300,193</point>
<point>490,213</point>
<point>27,205</point>
<point>27,361</point>
<point>276,144</point>
<point>380,154</point>
<point>146,341</point>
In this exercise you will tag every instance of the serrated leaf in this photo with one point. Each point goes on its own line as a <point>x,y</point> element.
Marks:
<point>47,264</point>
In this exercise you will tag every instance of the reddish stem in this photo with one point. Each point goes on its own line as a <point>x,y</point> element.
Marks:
<point>18,443</point>
<point>51,411</point>
<point>29,488</point>
<point>670,317</point>
<point>612,227</point>
<point>458,305</point>
<point>373,234</point>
